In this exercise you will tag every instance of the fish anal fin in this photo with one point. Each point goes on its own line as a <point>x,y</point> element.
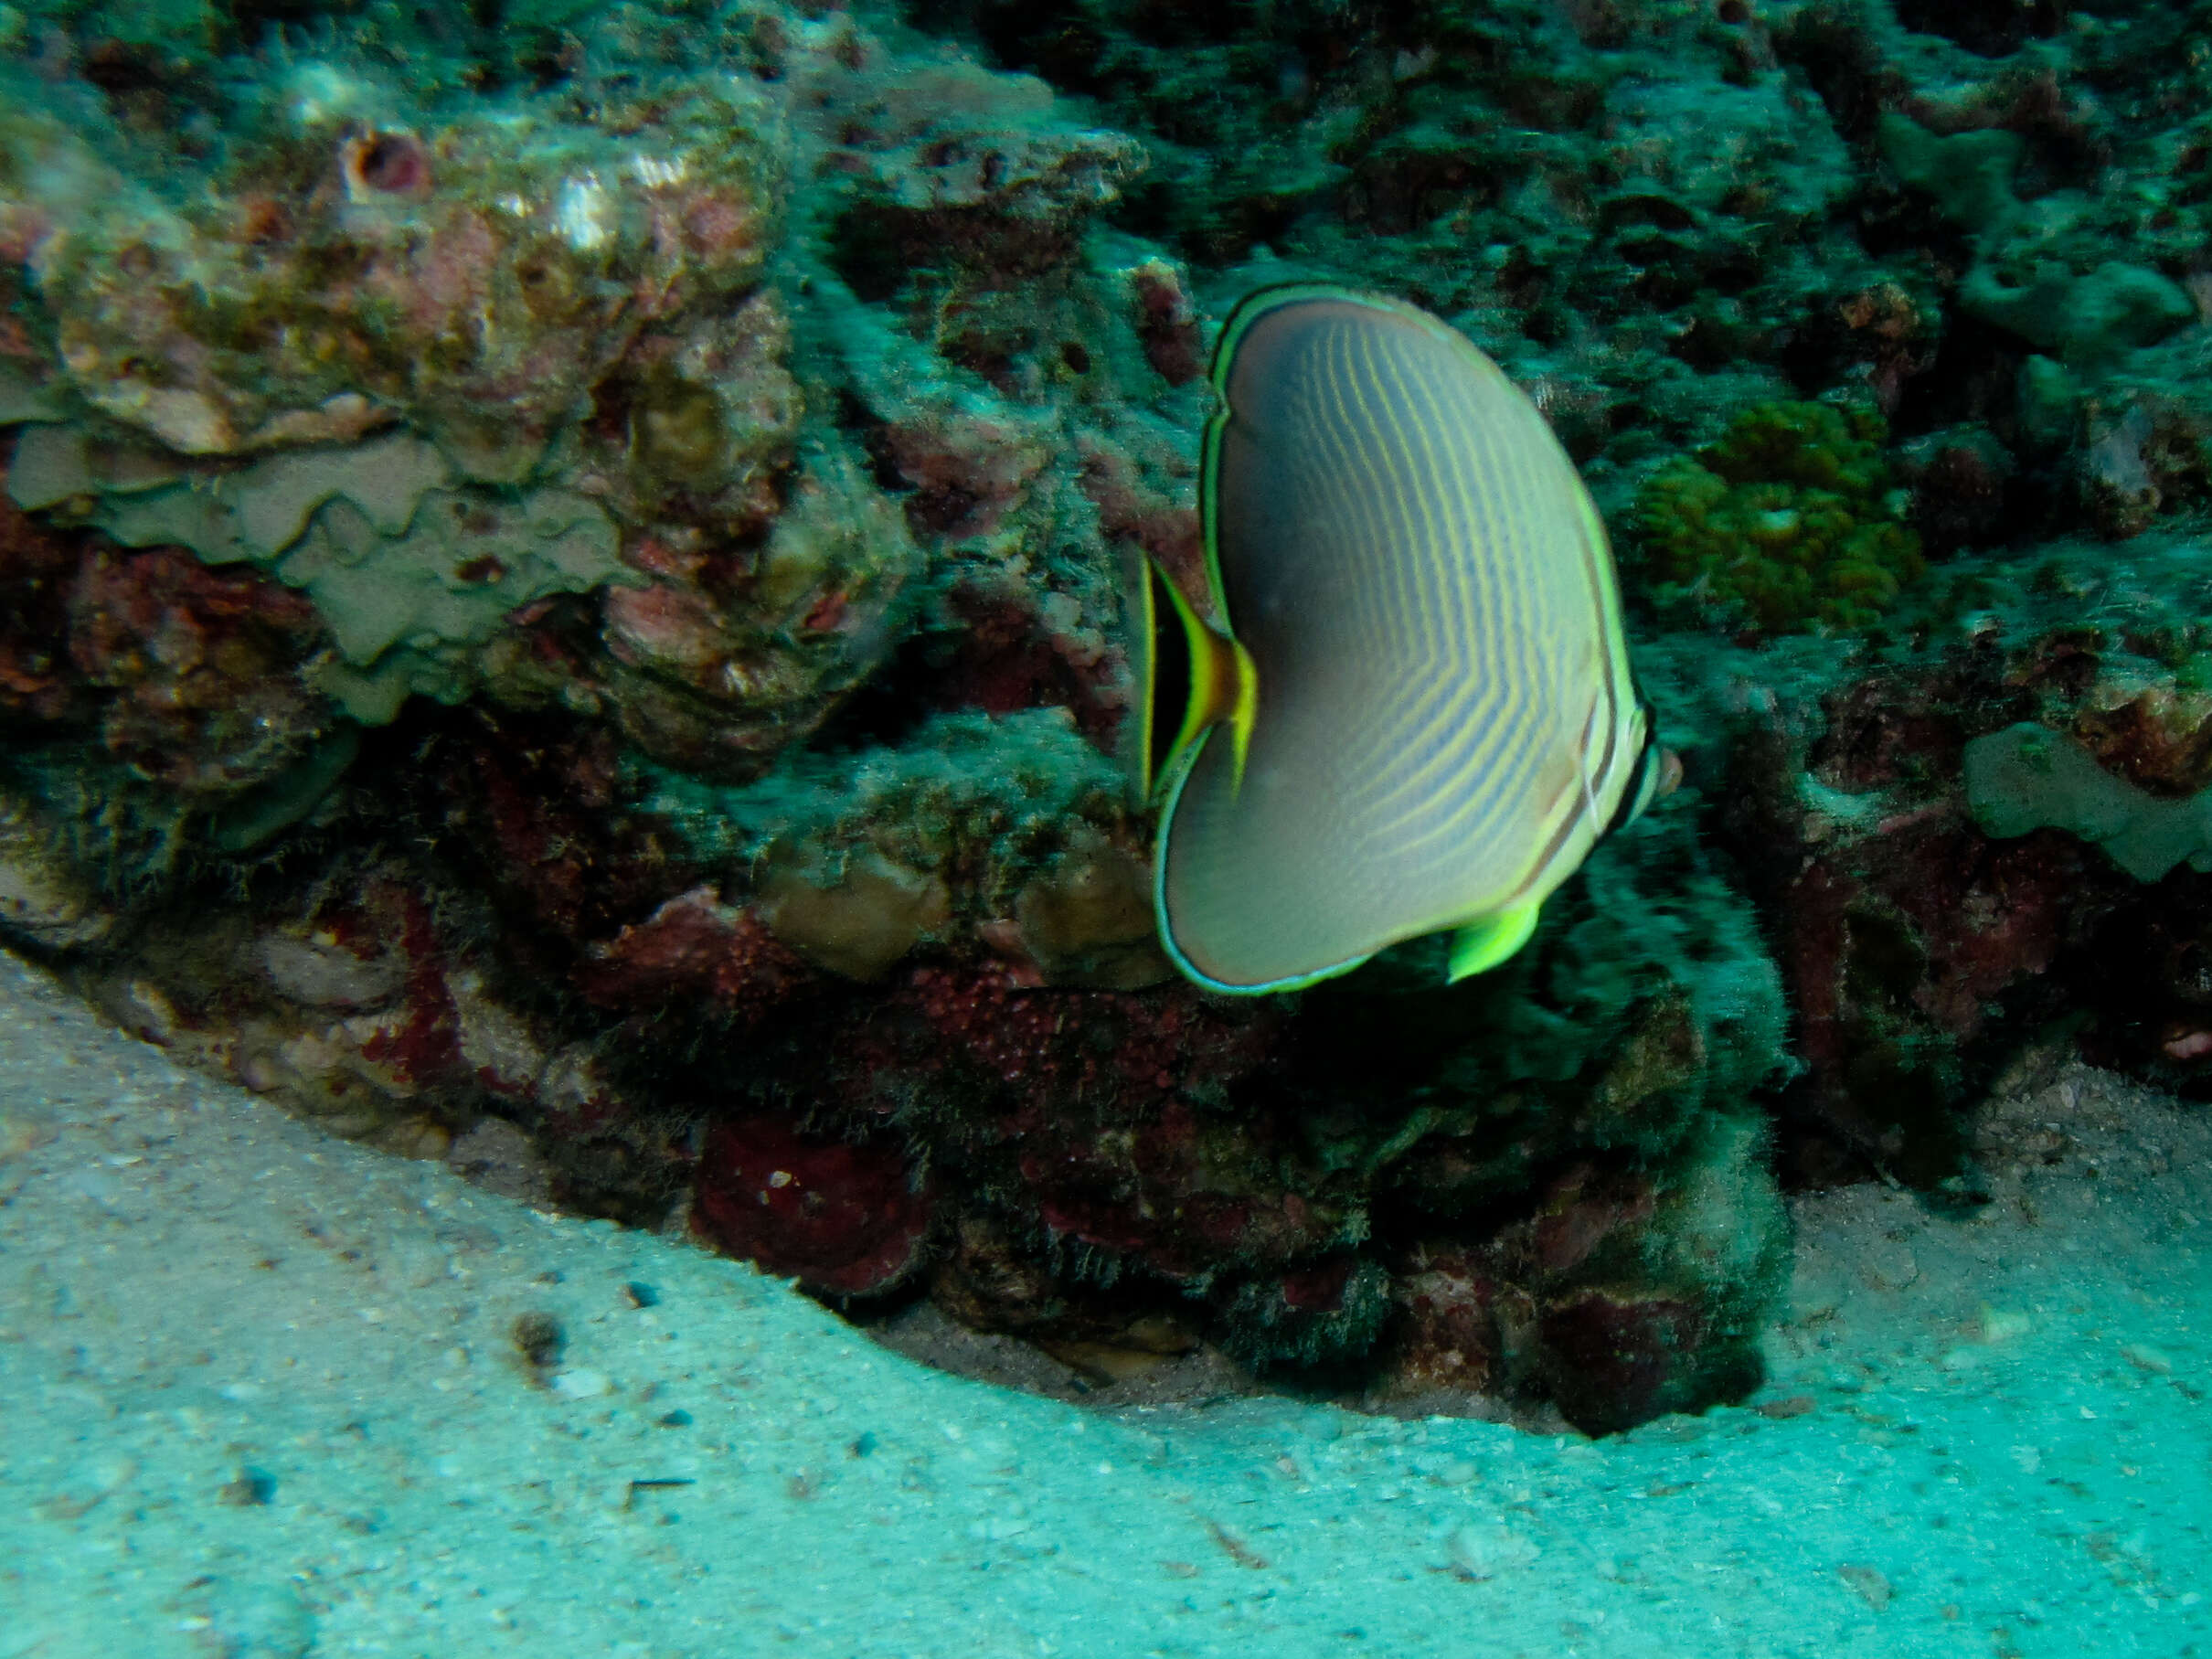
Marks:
<point>1482,945</point>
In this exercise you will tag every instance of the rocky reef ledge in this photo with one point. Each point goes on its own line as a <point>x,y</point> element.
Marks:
<point>562,612</point>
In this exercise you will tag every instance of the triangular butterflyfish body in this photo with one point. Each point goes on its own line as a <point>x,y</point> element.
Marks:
<point>1420,717</point>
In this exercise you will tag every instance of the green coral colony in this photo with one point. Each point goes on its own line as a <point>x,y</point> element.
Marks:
<point>1787,523</point>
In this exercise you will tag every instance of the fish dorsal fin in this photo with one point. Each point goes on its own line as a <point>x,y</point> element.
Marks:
<point>1481,946</point>
<point>1223,689</point>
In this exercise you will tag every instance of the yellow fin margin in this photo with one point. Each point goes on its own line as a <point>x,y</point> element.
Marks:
<point>1484,945</point>
<point>1224,689</point>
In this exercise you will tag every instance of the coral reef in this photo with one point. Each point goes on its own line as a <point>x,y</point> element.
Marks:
<point>563,577</point>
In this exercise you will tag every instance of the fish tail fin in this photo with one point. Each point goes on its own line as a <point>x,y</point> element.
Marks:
<point>1482,945</point>
<point>1212,670</point>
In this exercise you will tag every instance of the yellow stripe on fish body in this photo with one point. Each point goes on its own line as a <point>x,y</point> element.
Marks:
<point>1432,718</point>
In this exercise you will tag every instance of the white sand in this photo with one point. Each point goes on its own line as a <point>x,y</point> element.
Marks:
<point>262,1396</point>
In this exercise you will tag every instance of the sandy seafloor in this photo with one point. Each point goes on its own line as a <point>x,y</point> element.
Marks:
<point>261,1395</point>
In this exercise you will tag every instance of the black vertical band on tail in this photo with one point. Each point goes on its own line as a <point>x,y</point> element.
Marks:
<point>1167,698</point>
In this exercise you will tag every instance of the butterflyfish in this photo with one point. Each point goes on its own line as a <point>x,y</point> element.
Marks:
<point>1418,714</point>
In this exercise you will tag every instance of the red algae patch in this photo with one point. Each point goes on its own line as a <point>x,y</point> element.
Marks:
<point>844,1220</point>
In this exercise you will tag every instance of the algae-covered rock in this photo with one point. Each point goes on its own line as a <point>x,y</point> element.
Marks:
<point>972,820</point>
<point>408,564</point>
<point>2031,277</point>
<point>355,258</point>
<point>720,671</point>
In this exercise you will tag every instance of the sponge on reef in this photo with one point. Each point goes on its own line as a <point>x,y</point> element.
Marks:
<point>2026,778</point>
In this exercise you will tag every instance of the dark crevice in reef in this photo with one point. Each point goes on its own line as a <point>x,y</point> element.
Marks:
<point>1989,28</point>
<point>1973,376</point>
<point>1836,52</point>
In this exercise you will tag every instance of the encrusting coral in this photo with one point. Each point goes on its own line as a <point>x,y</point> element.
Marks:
<point>2026,778</point>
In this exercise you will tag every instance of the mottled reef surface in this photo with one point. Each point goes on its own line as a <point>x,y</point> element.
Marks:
<point>562,610</point>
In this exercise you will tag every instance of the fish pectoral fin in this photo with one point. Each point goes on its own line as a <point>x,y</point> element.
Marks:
<point>1482,945</point>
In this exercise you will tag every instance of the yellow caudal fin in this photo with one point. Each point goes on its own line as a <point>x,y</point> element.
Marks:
<point>1213,671</point>
<point>1482,945</point>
